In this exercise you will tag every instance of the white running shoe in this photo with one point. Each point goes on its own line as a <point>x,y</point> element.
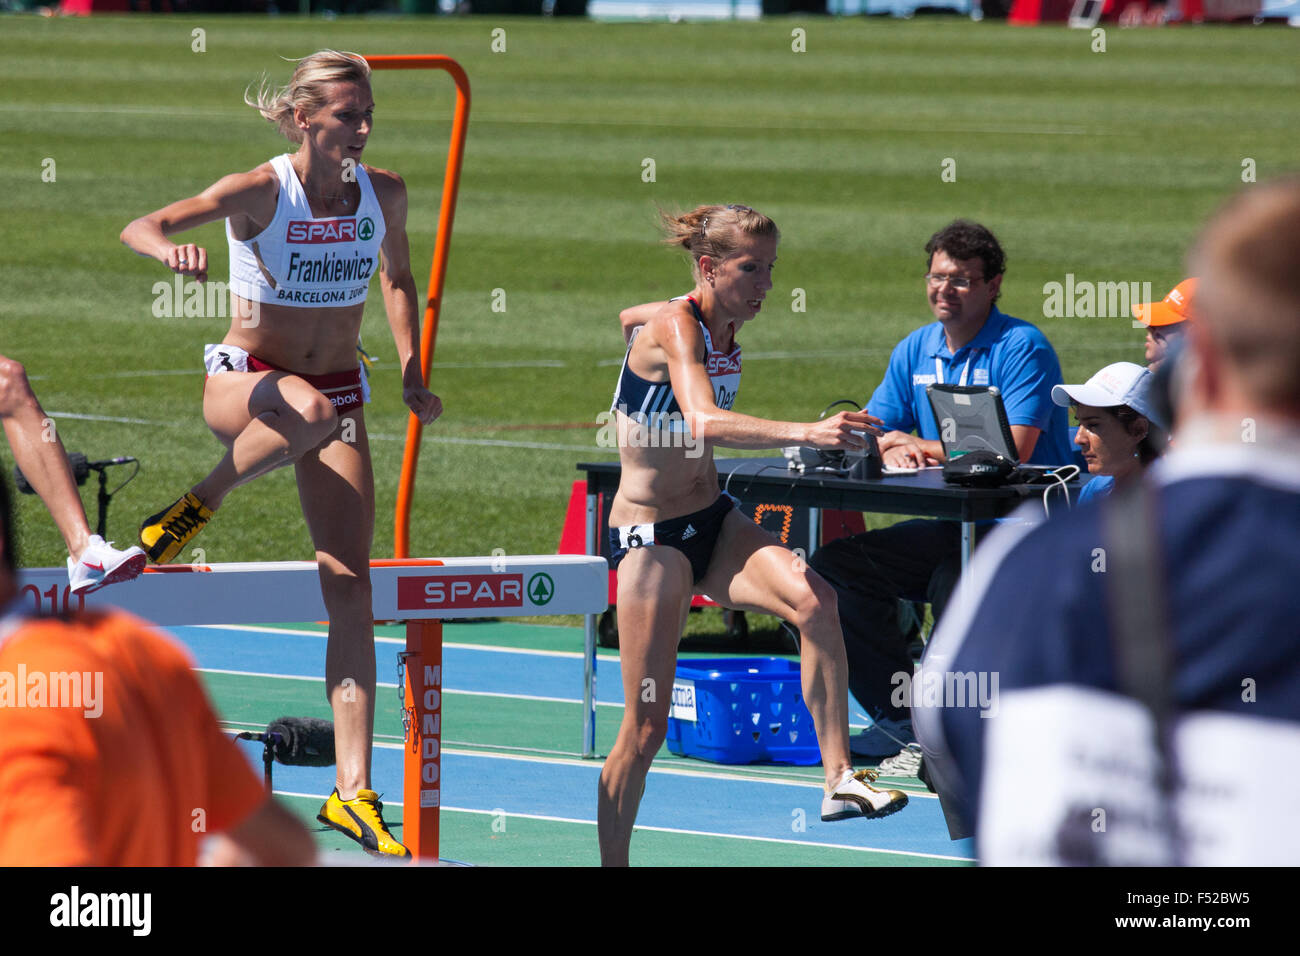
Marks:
<point>905,763</point>
<point>101,564</point>
<point>882,739</point>
<point>854,796</point>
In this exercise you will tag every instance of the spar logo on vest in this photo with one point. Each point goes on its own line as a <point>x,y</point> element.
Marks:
<point>314,231</point>
<point>720,364</point>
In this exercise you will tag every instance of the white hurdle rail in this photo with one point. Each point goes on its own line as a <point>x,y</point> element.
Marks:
<point>423,592</point>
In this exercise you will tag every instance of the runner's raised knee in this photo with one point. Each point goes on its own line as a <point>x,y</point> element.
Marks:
<point>318,419</point>
<point>813,602</point>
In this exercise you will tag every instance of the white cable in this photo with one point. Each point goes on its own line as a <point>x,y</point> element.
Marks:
<point>1060,477</point>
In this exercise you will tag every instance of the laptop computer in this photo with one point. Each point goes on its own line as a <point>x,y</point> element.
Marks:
<point>974,418</point>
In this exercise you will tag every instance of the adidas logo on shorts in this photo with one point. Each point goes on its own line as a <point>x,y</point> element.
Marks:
<point>689,532</point>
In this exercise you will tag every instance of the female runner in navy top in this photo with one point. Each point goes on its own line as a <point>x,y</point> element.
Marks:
<point>672,533</point>
<point>284,387</point>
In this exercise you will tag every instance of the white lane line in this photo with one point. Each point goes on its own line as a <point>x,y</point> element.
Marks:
<point>681,771</point>
<point>592,449</point>
<point>134,373</point>
<point>697,833</point>
<point>494,648</point>
<point>393,687</point>
<point>318,680</point>
<point>526,363</point>
<point>109,418</point>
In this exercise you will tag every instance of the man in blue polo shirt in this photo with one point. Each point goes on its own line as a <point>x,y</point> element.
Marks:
<point>1197,575</point>
<point>971,343</point>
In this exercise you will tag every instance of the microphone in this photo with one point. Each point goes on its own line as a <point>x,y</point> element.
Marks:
<point>120,460</point>
<point>301,741</point>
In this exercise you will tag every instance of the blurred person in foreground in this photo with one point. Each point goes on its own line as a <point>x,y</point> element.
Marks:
<point>109,751</point>
<point>1195,567</point>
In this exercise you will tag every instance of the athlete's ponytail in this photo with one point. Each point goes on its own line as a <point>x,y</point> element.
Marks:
<point>715,231</point>
<point>306,89</point>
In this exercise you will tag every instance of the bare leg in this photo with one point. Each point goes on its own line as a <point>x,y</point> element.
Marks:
<point>40,455</point>
<point>336,487</point>
<point>750,571</point>
<point>654,593</point>
<point>265,420</point>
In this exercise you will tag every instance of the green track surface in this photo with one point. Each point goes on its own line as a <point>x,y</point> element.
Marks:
<point>481,724</point>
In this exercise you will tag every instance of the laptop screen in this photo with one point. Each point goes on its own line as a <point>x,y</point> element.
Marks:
<point>971,418</point>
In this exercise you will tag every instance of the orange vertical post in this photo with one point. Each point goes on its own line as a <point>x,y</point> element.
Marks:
<point>422,759</point>
<point>433,301</point>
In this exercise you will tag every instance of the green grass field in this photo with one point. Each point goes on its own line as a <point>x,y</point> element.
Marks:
<point>1100,164</point>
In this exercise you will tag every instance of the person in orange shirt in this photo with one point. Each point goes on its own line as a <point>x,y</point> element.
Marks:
<point>110,754</point>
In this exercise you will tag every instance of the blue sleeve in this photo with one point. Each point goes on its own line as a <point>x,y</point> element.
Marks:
<point>1027,370</point>
<point>1098,487</point>
<point>893,402</point>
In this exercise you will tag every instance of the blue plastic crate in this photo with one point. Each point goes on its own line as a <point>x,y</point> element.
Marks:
<point>741,710</point>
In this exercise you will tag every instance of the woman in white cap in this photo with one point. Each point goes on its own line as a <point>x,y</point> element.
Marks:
<point>1120,431</point>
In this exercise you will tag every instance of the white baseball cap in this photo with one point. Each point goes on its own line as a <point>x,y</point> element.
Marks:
<point>1122,383</point>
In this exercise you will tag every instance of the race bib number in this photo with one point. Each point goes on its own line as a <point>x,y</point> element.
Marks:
<point>636,536</point>
<point>224,358</point>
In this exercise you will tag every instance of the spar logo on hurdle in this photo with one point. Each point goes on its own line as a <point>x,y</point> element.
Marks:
<point>456,591</point>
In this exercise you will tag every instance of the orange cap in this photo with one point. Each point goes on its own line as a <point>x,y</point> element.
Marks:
<point>1175,308</point>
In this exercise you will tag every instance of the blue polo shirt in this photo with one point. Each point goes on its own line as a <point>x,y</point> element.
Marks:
<point>1008,353</point>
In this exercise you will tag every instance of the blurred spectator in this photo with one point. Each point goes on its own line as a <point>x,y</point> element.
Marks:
<point>1166,320</point>
<point>1146,652</point>
<point>109,752</point>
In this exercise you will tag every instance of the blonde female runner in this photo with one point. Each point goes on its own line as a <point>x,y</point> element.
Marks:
<point>307,232</point>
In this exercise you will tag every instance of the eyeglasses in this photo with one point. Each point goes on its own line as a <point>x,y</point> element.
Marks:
<point>963,283</point>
